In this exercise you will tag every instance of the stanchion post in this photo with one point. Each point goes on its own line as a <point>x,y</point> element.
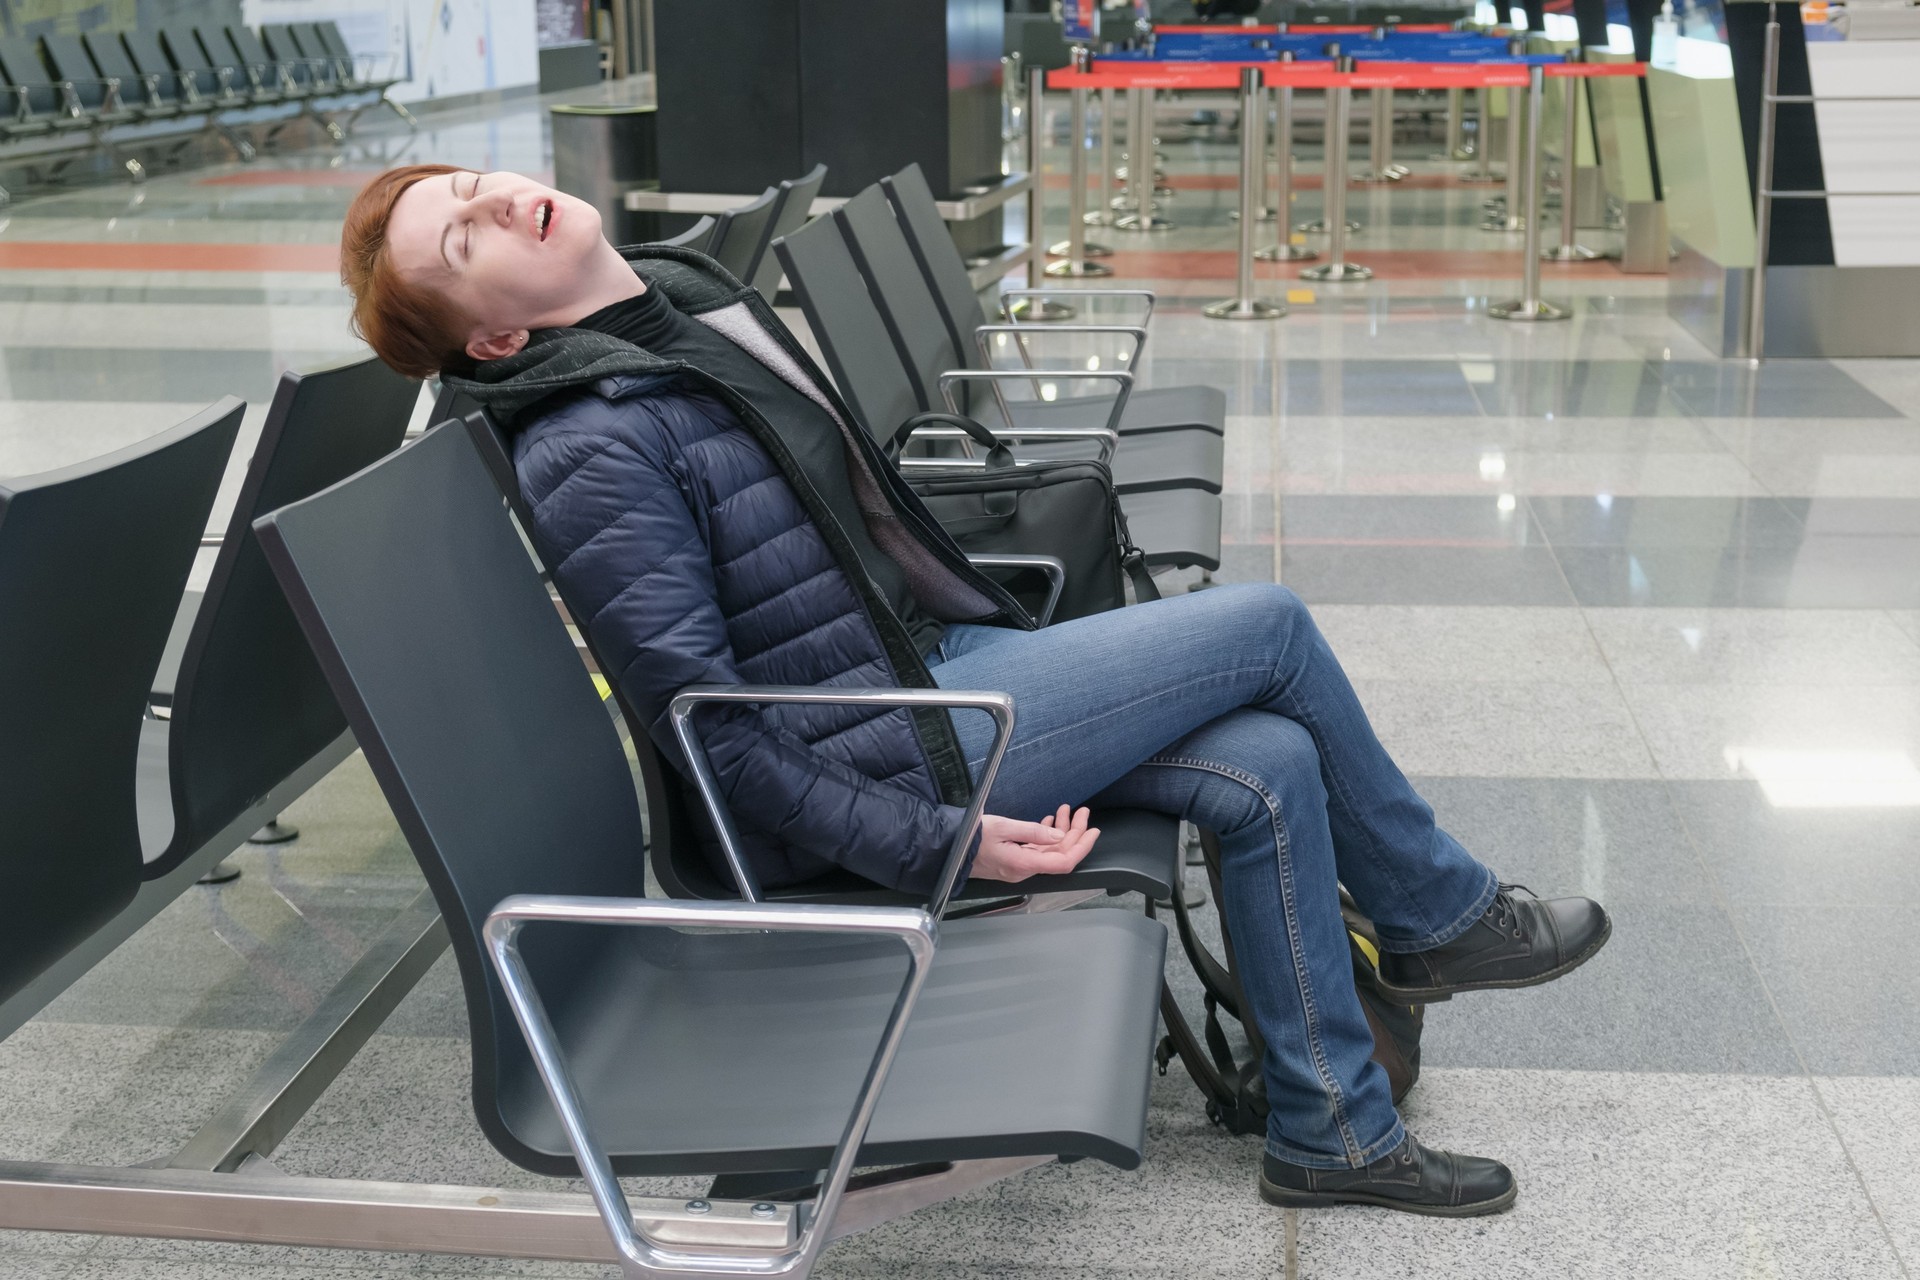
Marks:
<point>1756,343</point>
<point>1101,215</point>
<point>1482,172</point>
<point>1283,249</point>
<point>1037,308</point>
<point>1510,217</point>
<point>1456,146</point>
<point>1140,166</point>
<point>1570,249</point>
<point>1336,269</point>
<point>1074,250</point>
<point>1253,142</point>
<point>1380,165</point>
<point>1530,307</point>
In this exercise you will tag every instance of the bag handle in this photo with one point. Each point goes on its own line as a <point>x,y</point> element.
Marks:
<point>998,455</point>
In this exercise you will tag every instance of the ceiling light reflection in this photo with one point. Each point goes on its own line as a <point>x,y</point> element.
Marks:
<point>1830,779</point>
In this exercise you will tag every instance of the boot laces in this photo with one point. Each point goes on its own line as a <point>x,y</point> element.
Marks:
<point>1505,915</point>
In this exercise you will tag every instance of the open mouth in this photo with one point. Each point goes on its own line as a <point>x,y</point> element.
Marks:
<point>543,217</point>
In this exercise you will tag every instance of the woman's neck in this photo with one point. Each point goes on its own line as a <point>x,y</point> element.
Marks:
<point>610,279</point>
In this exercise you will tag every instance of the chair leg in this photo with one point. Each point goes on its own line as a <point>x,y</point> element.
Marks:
<point>274,832</point>
<point>402,112</point>
<point>225,872</point>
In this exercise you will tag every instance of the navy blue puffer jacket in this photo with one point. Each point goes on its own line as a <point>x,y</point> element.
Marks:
<point>688,534</point>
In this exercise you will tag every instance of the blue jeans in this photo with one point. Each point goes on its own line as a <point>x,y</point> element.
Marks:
<point>1226,708</point>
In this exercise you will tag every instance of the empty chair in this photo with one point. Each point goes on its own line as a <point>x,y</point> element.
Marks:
<point>790,213</point>
<point>165,84</point>
<point>312,74</point>
<point>41,104</point>
<point>1178,458</point>
<point>216,75</point>
<point>100,94</point>
<point>684,1053</point>
<point>1172,527</point>
<point>93,559</point>
<point>268,76</point>
<point>247,707</point>
<point>741,234</point>
<point>138,91</point>
<point>698,237</point>
<point>1148,408</point>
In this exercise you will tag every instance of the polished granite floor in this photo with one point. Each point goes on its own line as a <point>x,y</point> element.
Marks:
<point>1643,624</point>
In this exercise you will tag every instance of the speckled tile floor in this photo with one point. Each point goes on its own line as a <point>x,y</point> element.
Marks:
<point>1642,624</point>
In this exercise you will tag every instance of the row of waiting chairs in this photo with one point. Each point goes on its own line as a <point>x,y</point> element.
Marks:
<point>889,299</point>
<point>64,93</point>
<point>850,1028</point>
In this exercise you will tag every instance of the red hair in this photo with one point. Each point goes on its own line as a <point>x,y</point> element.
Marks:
<point>417,331</point>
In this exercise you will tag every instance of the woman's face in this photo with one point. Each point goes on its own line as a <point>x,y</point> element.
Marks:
<point>509,252</point>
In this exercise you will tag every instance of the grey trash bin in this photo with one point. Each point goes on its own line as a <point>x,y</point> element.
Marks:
<point>602,152</point>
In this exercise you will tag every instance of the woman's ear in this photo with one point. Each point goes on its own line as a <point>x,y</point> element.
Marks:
<point>497,346</point>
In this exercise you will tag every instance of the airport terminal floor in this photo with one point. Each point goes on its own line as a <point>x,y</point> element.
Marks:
<point>1641,623</point>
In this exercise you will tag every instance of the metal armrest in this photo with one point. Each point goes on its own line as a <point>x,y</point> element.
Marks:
<point>1022,333</point>
<point>1146,294</point>
<point>780,1245</point>
<point>223,81</point>
<point>70,99</point>
<point>151,81</point>
<point>1108,439</point>
<point>680,713</point>
<point>1037,376</point>
<point>110,94</point>
<point>23,104</point>
<point>1052,566</point>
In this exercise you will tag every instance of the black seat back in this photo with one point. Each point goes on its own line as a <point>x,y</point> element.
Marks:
<point>329,43</point>
<point>143,48</point>
<point>69,61</point>
<point>941,265</point>
<point>277,38</point>
<point>251,55</point>
<point>251,705</point>
<point>193,62</point>
<point>110,58</point>
<point>20,64</point>
<point>848,327</point>
<point>790,213</point>
<point>476,716</point>
<point>742,233</point>
<point>93,562</point>
<point>906,302</point>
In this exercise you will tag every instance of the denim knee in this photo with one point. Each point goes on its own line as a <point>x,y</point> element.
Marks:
<point>1259,761</point>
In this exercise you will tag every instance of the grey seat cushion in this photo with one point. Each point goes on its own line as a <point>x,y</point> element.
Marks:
<point>722,1053</point>
<point>1177,528</point>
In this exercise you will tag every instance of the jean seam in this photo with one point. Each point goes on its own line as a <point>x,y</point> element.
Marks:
<point>1295,944</point>
<point>1210,678</point>
<point>1452,929</point>
<point>1319,1160</point>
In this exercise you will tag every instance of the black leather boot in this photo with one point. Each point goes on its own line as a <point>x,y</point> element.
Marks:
<point>1411,1178</point>
<point>1518,942</point>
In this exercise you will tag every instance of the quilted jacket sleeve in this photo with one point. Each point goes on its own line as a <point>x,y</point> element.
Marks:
<point>632,561</point>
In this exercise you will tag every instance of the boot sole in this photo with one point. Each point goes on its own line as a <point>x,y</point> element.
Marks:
<point>1433,995</point>
<point>1286,1198</point>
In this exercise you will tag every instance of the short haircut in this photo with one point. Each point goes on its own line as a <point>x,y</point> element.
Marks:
<point>417,331</point>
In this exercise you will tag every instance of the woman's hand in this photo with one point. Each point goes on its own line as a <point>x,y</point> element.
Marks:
<point>1012,851</point>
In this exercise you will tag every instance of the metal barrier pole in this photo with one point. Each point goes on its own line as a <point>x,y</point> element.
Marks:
<point>1037,308</point>
<point>1140,160</point>
<point>1074,250</point>
<point>1509,217</point>
<point>1456,148</point>
<point>1283,249</point>
<point>1380,165</point>
<point>1336,269</point>
<point>1319,225</point>
<point>1253,142</point>
<point>1756,344</point>
<point>1101,215</point>
<point>1482,172</point>
<point>1530,307</point>
<point>1569,249</point>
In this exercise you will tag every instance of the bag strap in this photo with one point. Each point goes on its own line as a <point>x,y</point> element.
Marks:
<point>998,455</point>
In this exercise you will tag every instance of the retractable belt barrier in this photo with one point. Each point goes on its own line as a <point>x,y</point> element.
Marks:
<point>1253,76</point>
